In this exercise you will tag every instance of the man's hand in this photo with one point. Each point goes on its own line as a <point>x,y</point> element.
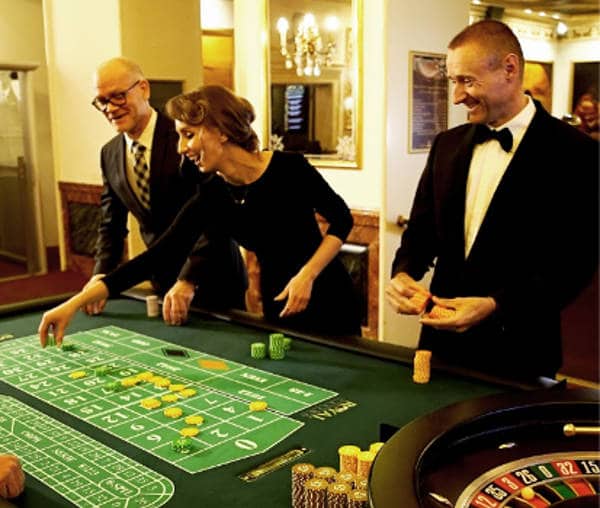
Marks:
<point>92,309</point>
<point>466,312</point>
<point>405,295</point>
<point>177,301</point>
<point>12,478</point>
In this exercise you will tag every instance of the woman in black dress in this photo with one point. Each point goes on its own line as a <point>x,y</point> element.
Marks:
<point>267,202</point>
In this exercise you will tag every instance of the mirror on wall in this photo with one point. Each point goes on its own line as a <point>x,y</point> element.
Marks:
<point>314,79</point>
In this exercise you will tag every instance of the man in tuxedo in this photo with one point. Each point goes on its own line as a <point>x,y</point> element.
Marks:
<point>508,217</point>
<point>143,174</point>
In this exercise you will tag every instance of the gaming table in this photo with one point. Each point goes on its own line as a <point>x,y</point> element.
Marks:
<point>82,445</point>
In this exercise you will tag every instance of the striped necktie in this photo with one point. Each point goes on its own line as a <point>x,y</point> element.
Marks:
<point>142,173</point>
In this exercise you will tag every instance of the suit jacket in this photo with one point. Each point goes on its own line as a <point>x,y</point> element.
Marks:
<point>216,263</point>
<point>535,250</point>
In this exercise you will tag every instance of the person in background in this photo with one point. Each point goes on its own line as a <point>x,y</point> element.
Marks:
<point>267,202</point>
<point>507,212</point>
<point>12,478</point>
<point>151,185</point>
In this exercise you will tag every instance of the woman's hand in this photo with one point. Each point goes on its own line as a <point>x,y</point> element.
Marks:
<point>297,292</point>
<point>55,321</point>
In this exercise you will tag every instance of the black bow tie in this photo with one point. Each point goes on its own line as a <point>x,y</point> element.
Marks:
<point>483,133</point>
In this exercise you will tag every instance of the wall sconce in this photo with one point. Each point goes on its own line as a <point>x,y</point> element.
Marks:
<point>309,52</point>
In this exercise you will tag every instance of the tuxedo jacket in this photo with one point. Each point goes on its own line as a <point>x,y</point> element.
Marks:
<point>215,263</point>
<point>536,248</point>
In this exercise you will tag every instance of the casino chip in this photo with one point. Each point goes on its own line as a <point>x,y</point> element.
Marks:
<point>348,458</point>
<point>170,397</point>
<point>419,300</point>
<point>128,382</point>
<point>182,444</point>
<point>187,393</point>
<point>102,370</point>
<point>258,350</point>
<point>189,431</point>
<point>301,473</point>
<point>258,405</point>
<point>145,376</point>
<point>365,461</point>
<point>173,412</point>
<point>176,387</point>
<point>162,382</point>
<point>194,420</point>
<point>439,312</point>
<point>150,403</point>
<point>78,374</point>
<point>113,386</point>
<point>422,367</point>
<point>68,346</point>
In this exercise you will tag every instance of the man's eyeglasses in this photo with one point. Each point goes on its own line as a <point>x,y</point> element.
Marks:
<point>116,99</point>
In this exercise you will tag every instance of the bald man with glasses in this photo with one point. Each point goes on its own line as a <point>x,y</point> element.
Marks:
<point>144,175</point>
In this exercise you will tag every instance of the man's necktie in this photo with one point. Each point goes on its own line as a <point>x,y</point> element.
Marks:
<point>483,133</point>
<point>142,173</point>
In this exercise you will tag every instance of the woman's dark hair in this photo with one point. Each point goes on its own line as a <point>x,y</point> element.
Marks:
<point>217,106</point>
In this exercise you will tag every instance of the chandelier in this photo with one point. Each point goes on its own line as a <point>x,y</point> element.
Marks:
<point>310,54</point>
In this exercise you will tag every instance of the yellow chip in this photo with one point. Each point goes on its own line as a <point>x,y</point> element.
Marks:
<point>150,403</point>
<point>173,412</point>
<point>153,379</point>
<point>129,381</point>
<point>176,388</point>
<point>194,420</point>
<point>189,431</point>
<point>257,405</point>
<point>145,376</point>
<point>162,382</point>
<point>169,397</point>
<point>78,374</point>
<point>187,393</point>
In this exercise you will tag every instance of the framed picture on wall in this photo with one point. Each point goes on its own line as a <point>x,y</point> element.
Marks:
<point>428,99</point>
<point>585,97</point>
<point>537,81</point>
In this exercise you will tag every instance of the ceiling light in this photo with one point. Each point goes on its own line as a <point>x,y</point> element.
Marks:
<point>561,29</point>
<point>528,11</point>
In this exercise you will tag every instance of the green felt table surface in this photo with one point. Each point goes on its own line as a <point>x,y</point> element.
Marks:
<point>372,391</point>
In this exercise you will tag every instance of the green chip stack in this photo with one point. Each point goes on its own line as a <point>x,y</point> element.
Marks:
<point>276,346</point>
<point>258,350</point>
<point>287,343</point>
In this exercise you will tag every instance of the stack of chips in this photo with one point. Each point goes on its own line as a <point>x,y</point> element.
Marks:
<point>422,368</point>
<point>325,473</point>
<point>152,309</point>
<point>365,461</point>
<point>301,473</point>
<point>258,350</point>
<point>324,486</point>
<point>337,495</point>
<point>276,346</point>
<point>358,499</point>
<point>348,458</point>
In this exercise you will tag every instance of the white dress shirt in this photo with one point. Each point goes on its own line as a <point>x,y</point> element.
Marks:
<point>146,140</point>
<point>488,165</point>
